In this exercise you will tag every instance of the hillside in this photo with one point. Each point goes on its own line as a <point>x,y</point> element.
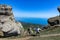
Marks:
<point>27,25</point>
<point>48,34</point>
<point>45,38</point>
<point>50,30</point>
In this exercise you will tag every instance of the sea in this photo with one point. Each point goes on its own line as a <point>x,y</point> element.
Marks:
<point>41,21</point>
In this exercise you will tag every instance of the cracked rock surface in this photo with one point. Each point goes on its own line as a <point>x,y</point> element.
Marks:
<point>8,25</point>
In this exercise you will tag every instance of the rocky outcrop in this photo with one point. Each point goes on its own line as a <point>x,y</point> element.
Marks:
<point>54,20</point>
<point>8,25</point>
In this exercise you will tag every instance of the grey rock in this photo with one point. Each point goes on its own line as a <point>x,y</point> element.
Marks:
<point>8,25</point>
<point>54,20</point>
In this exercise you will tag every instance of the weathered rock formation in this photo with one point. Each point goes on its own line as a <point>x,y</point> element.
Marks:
<point>54,20</point>
<point>8,25</point>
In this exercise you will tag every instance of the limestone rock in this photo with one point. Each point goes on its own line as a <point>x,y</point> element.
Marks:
<point>8,24</point>
<point>54,20</point>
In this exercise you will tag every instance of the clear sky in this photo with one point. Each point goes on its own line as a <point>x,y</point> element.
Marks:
<point>33,8</point>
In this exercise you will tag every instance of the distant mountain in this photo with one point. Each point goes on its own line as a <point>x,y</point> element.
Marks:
<point>41,21</point>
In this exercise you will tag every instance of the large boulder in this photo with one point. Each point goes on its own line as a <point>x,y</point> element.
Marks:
<point>8,25</point>
<point>54,20</point>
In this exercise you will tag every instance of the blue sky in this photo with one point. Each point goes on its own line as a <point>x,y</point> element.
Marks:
<point>33,8</point>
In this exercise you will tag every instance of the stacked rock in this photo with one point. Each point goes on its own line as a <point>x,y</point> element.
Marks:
<point>8,25</point>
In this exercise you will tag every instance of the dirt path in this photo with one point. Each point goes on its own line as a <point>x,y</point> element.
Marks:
<point>25,38</point>
<point>50,35</point>
<point>28,37</point>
